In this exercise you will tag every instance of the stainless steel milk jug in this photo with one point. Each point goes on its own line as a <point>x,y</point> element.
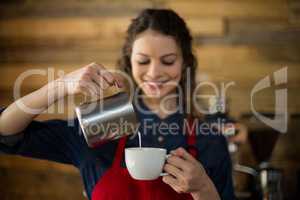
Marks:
<point>107,119</point>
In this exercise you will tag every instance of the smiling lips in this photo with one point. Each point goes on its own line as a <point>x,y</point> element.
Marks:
<point>155,84</point>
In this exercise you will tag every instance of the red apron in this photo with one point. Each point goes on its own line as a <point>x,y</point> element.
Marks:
<point>116,183</point>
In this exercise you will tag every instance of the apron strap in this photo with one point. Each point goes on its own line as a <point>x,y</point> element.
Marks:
<point>120,152</point>
<point>192,136</point>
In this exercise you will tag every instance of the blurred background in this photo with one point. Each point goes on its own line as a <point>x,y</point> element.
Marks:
<point>235,40</point>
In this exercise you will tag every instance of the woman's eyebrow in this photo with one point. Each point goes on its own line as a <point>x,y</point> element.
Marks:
<point>163,56</point>
<point>169,54</point>
<point>142,54</point>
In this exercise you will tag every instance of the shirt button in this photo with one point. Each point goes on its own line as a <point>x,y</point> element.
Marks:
<point>160,139</point>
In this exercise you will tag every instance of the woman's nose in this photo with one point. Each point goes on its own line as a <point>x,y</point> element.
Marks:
<point>154,70</point>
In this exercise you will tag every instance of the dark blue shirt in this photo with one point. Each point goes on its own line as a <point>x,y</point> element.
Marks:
<point>56,140</point>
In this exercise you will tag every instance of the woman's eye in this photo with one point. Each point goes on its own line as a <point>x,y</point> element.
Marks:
<point>143,62</point>
<point>168,62</point>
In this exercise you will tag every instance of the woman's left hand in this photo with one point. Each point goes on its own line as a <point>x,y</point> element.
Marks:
<point>187,175</point>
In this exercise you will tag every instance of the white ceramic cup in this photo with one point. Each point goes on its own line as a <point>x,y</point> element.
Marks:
<point>145,163</point>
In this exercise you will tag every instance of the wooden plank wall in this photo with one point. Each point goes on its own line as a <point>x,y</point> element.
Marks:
<point>240,41</point>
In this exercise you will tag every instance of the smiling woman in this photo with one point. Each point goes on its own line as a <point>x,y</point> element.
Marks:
<point>157,71</point>
<point>157,54</point>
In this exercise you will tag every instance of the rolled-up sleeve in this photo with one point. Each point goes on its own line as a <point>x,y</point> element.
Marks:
<point>53,140</point>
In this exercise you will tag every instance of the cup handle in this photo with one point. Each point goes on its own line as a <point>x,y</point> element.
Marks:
<point>165,173</point>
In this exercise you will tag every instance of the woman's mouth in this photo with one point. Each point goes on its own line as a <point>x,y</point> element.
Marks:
<point>155,84</point>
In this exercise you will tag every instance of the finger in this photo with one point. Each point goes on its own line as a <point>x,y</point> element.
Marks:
<point>181,152</point>
<point>91,65</point>
<point>118,79</point>
<point>99,70</point>
<point>89,88</point>
<point>170,180</point>
<point>174,171</point>
<point>108,76</point>
<point>177,162</point>
<point>93,89</point>
<point>92,86</point>
<point>102,77</point>
<point>100,81</point>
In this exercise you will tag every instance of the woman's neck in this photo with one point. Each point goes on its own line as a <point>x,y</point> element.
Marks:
<point>162,107</point>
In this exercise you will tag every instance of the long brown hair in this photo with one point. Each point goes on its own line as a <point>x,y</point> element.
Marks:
<point>169,23</point>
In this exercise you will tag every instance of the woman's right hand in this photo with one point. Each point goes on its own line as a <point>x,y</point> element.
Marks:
<point>90,80</point>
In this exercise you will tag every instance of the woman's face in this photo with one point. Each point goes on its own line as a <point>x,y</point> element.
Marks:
<point>156,62</point>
